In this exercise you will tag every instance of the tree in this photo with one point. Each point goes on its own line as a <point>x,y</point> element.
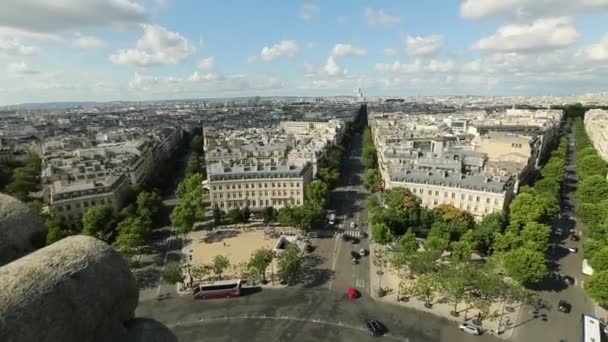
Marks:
<point>199,272</point>
<point>183,217</point>
<point>525,266</point>
<point>536,236</point>
<point>131,234</point>
<point>328,176</point>
<point>219,264</point>
<point>426,287</point>
<point>438,239</point>
<point>148,203</point>
<point>596,287</point>
<point>506,241</point>
<point>529,206</point>
<point>193,166</point>
<point>197,144</point>
<point>317,192</point>
<point>424,262</point>
<point>407,243</point>
<point>98,221</point>
<point>172,273</point>
<point>380,233</point>
<point>289,262</point>
<point>463,248</point>
<point>217,216</point>
<point>457,220</point>
<point>55,231</point>
<point>485,230</point>
<point>259,262</point>
<point>599,261</point>
<point>235,215</point>
<point>592,189</point>
<point>454,282</point>
<point>245,214</point>
<point>269,214</point>
<point>192,184</point>
<point>371,179</point>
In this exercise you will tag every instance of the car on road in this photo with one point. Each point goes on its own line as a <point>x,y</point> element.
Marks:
<point>470,328</point>
<point>568,280</point>
<point>572,249</point>
<point>559,231</point>
<point>574,237</point>
<point>362,252</point>
<point>355,255</point>
<point>353,293</point>
<point>353,225</point>
<point>564,306</point>
<point>375,328</point>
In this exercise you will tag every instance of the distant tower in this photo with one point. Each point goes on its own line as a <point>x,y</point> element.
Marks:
<point>359,95</point>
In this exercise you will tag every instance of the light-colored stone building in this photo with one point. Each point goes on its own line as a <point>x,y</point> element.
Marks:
<point>257,186</point>
<point>479,194</point>
<point>596,126</point>
<point>69,201</point>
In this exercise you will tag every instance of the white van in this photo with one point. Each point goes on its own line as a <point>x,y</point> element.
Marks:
<point>470,328</point>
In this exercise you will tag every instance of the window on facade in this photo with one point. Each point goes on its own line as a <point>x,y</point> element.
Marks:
<point>476,209</point>
<point>436,193</point>
<point>239,186</point>
<point>445,194</point>
<point>468,207</point>
<point>477,199</point>
<point>213,187</point>
<point>470,197</point>
<point>435,202</point>
<point>265,185</point>
<point>430,192</point>
<point>284,185</point>
<point>496,201</point>
<point>453,195</point>
<point>487,200</point>
<point>59,208</point>
<point>462,196</point>
<point>298,202</point>
<point>273,185</point>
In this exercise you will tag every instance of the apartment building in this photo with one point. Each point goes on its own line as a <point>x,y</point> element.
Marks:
<point>596,126</point>
<point>257,186</point>
<point>69,201</point>
<point>479,194</point>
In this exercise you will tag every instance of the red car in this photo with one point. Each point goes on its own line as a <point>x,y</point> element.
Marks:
<point>353,293</point>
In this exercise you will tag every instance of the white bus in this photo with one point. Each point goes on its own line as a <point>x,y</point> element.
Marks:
<point>218,289</point>
<point>592,330</point>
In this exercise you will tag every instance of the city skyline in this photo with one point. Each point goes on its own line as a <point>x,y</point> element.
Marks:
<point>99,50</point>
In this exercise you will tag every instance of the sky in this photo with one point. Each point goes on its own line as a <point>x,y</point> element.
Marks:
<point>104,50</point>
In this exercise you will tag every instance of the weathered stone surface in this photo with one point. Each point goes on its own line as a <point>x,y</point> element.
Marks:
<point>76,290</point>
<point>21,230</point>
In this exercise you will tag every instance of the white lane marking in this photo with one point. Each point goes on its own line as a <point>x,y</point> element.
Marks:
<point>335,255</point>
<point>203,320</point>
<point>160,278</point>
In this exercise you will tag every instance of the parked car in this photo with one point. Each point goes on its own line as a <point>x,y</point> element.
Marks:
<point>353,225</point>
<point>362,252</point>
<point>559,231</point>
<point>564,306</point>
<point>572,249</point>
<point>375,328</point>
<point>353,293</point>
<point>470,328</point>
<point>568,280</point>
<point>574,237</point>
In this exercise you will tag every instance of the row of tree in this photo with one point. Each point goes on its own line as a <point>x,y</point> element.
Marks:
<point>255,268</point>
<point>592,209</point>
<point>20,178</point>
<point>190,208</point>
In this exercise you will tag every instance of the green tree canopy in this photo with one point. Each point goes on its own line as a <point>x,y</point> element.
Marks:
<point>289,263</point>
<point>599,261</point>
<point>525,265</point>
<point>407,243</point>
<point>193,184</point>
<point>371,179</point>
<point>596,287</point>
<point>328,176</point>
<point>463,248</point>
<point>485,230</point>
<point>317,192</point>
<point>55,231</point>
<point>536,236</point>
<point>172,273</point>
<point>592,189</point>
<point>98,221</point>
<point>259,262</point>
<point>148,203</point>
<point>380,233</point>
<point>219,264</point>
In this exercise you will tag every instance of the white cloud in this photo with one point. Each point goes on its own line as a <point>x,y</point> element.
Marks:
<point>157,46</point>
<point>598,51</point>
<point>529,8</point>
<point>196,77</point>
<point>88,42</point>
<point>331,68</point>
<point>53,16</point>
<point>207,64</point>
<point>308,10</point>
<point>14,47</point>
<point>280,49</point>
<point>390,52</point>
<point>418,66</point>
<point>341,50</point>
<point>377,17</point>
<point>20,69</point>
<point>424,46</point>
<point>547,33</point>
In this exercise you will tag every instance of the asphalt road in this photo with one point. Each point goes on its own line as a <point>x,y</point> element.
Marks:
<point>546,323</point>
<point>294,314</point>
<point>348,201</point>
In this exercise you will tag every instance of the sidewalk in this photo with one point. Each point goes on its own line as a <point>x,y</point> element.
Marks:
<point>389,280</point>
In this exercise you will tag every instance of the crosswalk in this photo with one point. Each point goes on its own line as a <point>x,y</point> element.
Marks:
<point>348,188</point>
<point>353,232</point>
<point>360,283</point>
<point>322,233</point>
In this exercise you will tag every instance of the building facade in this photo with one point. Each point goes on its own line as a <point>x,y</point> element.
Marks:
<point>257,186</point>
<point>596,126</point>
